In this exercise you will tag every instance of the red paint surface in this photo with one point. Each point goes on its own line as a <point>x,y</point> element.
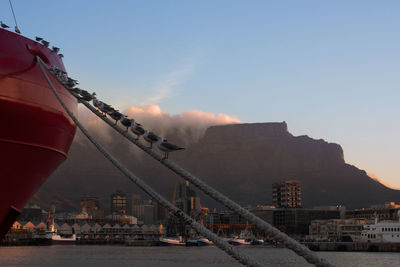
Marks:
<point>35,131</point>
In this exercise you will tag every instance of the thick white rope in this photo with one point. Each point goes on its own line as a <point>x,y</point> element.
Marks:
<point>222,244</point>
<point>271,231</point>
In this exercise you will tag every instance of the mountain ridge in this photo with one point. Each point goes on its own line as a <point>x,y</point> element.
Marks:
<point>240,160</point>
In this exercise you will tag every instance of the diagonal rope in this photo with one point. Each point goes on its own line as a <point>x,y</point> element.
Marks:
<point>222,244</point>
<point>271,231</point>
<point>12,10</point>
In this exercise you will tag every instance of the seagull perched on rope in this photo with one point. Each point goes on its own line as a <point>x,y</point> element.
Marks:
<point>115,115</point>
<point>85,95</point>
<point>167,147</point>
<point>103,107</point>
<point>71,82</point>
<point>106,108</point>
<point>4,26</point>
<point>151,138</point>
<point>75,90</point>
<point>137,129</point>
<point>126,122</point>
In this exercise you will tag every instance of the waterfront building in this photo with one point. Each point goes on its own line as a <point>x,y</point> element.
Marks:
<point>121,218</point>
<point>336,229</point>
<point>32,213</point>
<point>387,211</point>
<point>293,221</point>
<point>340,208</point>
<point>297,221</point>
<point>119,202</point>
<point>287,194</point>
<point>28,226</point>
<point>41,226</point>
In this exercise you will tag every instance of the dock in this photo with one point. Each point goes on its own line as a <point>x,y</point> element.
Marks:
<point>353,246</point>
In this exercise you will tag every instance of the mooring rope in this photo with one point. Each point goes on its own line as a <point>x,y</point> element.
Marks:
<point>271,231</point>
<point>222,244</point>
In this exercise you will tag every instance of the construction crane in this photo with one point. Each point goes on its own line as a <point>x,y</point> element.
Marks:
<point>123,216</point>
<point>90,202</point>
<point>50,215</point>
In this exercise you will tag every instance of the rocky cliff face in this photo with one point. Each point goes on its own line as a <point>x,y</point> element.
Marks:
<point>240,160</point>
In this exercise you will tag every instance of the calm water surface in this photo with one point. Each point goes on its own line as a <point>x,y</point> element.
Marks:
<point>175,256</point>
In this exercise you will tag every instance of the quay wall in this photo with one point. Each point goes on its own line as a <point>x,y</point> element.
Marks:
<point>353,246</point>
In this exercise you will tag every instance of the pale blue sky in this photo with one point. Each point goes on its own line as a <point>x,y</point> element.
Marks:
<point>330,69</point>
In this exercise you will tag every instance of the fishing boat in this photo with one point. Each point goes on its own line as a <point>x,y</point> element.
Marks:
<point>36,133</point>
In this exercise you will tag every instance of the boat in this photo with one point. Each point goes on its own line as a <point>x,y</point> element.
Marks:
<point>52,237</point>
<point>198,242</point>
<point>171,241</point>
<point>245,238</point>
<point>380,232</point>
<point>36,133</point>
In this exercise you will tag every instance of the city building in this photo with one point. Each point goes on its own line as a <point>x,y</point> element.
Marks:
<point>32,213</point>
<point>387,211</point>
<point>340,208</point>
<point>119,202</point>
<point>286,194</point>
<point>187,200</point>
<point>91,207</point>
<point>336,229</point>
<point>148,212</point>
<point>297,221</point>
<point>160,213</point>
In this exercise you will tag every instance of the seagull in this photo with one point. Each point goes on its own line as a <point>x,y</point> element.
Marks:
<point>106,108</point>
<point>126,122</point>
<point>38,39</point>
<point>100,105</point>
<point>61,55</point>
<point>96,102</point>
<point>75,90</point>
<point>115,115</point>
<point>4,26</point>
<point>137,129</point>
<point>55,49</point>
<point>86,95</point>
<point>103,107</point>
<point>151,138</point>
<point>17,30</point>
<point>45,43</point>
<point>54,69</point>
<point>71,82</point>
<point>166,147</point>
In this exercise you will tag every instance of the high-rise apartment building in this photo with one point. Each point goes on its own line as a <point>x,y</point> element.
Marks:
<point>287,194</point>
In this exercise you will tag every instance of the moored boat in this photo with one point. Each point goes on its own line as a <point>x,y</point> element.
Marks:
<point>36,133</point>
<point>380,232</point>
<point>170,241</point>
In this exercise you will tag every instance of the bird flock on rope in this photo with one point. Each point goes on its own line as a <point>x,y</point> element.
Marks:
<point>38,39</point>
<point>107,110</point>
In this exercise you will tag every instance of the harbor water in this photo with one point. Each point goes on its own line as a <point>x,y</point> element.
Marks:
<point>176,256</point>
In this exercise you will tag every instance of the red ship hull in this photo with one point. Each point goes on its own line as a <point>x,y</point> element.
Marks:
<point>35,131</point>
